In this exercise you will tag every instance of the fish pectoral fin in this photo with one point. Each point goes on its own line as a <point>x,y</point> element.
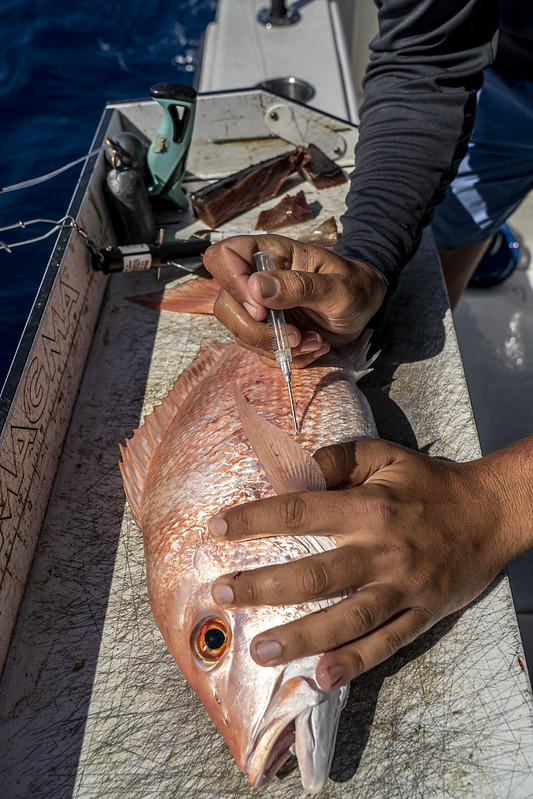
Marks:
<point>287,465</point>
<point>356,353</point>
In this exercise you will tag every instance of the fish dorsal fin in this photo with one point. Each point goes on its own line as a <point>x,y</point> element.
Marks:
<point>138,451</point>
<point>288,466</point>
<point>195,296</point>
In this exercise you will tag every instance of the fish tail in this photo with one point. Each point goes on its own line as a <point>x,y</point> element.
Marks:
<point>194,296</point>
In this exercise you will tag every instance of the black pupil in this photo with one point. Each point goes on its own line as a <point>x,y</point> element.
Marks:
<point>215,638</point>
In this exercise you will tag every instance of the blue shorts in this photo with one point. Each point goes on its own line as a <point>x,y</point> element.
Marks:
<point>496,174</point>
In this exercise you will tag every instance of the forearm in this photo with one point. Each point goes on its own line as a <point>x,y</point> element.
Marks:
<point>417,114</point>
<point>509,476</point>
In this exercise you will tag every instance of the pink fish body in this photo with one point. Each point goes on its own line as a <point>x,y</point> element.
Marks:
<point>193,457</point>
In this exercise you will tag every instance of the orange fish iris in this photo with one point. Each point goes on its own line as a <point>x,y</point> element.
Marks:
<point>210,639</point>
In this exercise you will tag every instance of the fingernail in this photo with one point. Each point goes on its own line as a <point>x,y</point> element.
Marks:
<point>294,338</point>
<point>217,527</point>
<point>310,346</point>
<point>322,351</point>
<point>251,309</point>
<point>269,286</point>
<point>267,651</point>
<point>222,594</point>
<point>328,678</point>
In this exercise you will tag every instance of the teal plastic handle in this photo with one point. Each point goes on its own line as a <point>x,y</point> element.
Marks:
<point>168,151</point>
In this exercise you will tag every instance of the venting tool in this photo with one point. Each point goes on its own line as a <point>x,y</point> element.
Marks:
<point>264,261</point>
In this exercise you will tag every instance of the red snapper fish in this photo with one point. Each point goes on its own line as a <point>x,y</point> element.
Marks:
<point>223,436</point>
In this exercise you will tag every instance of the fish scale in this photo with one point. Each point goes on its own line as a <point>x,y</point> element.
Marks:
<point>198,453</point>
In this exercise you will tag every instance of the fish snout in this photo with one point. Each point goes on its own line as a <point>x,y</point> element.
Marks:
<point>288,727</point>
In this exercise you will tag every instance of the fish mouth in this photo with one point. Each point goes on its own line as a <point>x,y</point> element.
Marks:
<point>301,719</point>
<point>275,747</point>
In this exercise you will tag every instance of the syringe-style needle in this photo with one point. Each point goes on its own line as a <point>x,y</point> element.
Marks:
<point>291,400</point>
<point>264,261</point>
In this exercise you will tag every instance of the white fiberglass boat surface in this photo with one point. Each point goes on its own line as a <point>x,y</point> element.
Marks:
<point>91,702</point>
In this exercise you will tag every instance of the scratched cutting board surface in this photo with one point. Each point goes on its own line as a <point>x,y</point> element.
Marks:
<point>92,704</point>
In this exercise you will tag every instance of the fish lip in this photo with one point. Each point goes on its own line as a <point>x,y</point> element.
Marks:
<point>271,745</point>
<point>276,745</point>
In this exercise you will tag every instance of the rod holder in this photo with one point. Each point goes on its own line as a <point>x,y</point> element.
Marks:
<point>278,14</point>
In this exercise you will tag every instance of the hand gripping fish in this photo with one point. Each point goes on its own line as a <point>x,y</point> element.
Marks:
<point>205,448</point>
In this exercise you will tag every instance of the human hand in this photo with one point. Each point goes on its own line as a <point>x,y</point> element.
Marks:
<point>417,538</point>
<point>328,299</point>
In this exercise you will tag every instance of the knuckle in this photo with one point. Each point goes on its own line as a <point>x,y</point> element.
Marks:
<point>336,462</point>
<point>240,523</point>
<point>315,579</point>
<point>361,619</point>
<point>293,511</point>
<point>356,664</point>
<point>297,640</point>
<point>402,555</point>
<point>422,619</point>
<point>351,622</point>
<point>249,590</point>
<point>392,642</point>
<point>386,509</point>
<point>302,283</point>
<point>263,586</point>
<point>302,643</point>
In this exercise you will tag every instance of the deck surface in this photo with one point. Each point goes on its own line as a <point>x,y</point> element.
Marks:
<point>92,704</point>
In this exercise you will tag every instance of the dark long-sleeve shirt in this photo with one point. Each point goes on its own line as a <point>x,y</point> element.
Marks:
<point>418,108</point>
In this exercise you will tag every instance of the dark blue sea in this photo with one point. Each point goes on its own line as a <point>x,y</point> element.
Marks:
<point>60,62</point>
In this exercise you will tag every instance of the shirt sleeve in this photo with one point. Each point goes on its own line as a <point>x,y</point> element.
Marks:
<point>417,114</point>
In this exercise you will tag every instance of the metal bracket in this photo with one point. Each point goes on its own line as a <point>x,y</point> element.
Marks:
<point>298,129</point>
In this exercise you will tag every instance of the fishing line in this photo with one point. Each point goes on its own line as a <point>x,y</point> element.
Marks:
<point>58,224</point>
<point>25,184</point>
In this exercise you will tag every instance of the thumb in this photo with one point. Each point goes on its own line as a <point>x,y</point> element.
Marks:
<point>281,289</point>
<point>355,461</point>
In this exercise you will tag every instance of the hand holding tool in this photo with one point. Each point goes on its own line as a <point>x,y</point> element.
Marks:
<point>264,261</point>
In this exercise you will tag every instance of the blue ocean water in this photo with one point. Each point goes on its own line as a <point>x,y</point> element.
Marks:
<point>59,64</point>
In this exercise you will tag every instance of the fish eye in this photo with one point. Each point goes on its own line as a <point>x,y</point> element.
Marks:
<point>210,639</point>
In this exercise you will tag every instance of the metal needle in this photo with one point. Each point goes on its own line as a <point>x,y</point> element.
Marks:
<point>291,400</point>
<point>264,261</point>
